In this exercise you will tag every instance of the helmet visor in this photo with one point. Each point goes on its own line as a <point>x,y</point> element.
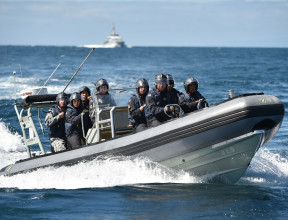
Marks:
<point>162,81</point>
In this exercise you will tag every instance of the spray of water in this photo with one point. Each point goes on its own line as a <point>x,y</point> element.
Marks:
<point>268,168</point>
<point>101,172</point>
<point>12,147</point>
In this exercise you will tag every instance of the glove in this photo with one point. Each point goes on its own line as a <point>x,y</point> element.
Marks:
<point>85,111</point>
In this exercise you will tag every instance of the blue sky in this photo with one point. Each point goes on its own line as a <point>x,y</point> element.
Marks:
<point>236,23</point>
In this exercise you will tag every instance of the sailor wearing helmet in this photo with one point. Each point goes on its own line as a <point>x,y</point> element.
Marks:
<point>157,100</point>
<point>74,115</point>
<point>137,106</point>
<point>170,87</point>
<point>194,100</point>
<point>85,93</point>
<point>55,121</point>
<point>101,99</point>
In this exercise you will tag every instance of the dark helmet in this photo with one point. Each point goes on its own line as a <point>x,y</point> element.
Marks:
<point>160,78</point>
<point>189,81</point>
<point>75,95</point>
<point>85,88</point>
<point>61,96</point>
<point>142,82</point>
<point>101,82</point>
<point>170,79</point>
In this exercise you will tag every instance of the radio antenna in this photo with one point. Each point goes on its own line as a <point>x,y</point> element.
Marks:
<point>14,74</point>
<point>78,70</point>
<point>49,78</point>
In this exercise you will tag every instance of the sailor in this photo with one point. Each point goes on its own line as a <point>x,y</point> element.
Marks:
<point>137,106</point>
<point>55,121</point>
<point>101,99</point>
<point>174,92</point>
<point>194,100</point>
<point>156,101</point>
<point>85,93</point>
<point>76,114</point>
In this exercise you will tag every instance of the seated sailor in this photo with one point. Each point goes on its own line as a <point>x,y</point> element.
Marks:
<point>137,106</point>
<point>55,121</point>
<point>194,100</point>
<point>170,87</point>
<point>76,116</point>
<point>85,93</point>
<point>157,100</point>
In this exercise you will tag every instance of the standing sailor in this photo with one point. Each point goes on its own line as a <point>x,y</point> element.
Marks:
<point>137,106</point>
<point>55,121</point>
<point>74,115</point>
<point>157,100</point>
<point>194,100</point>
<point>101,99</point>
<point>85,93</point>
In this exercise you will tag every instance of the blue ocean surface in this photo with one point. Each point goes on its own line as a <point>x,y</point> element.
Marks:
<point>125,188</point>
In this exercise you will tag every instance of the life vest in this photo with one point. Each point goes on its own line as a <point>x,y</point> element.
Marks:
<point>161,100</point>
<point>196,96</point>
<point>75,128</point>
<point>57,130</point>
<point>138,103</point>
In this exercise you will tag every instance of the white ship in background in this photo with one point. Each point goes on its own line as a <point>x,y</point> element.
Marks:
<point>113,41</point>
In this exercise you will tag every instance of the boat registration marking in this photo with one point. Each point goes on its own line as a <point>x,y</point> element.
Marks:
<point>227,151</point>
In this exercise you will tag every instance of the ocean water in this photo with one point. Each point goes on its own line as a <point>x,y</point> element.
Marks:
<point>122,188</point>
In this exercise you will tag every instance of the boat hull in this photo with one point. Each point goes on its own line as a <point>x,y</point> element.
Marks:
<point>238,127</point>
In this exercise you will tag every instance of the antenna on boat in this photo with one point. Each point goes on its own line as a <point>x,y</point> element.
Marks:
<point>14,75</point>
<point>49,78</point>
<point>20,69</point>
<point>78,70</point>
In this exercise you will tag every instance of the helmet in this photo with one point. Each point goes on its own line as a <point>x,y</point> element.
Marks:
<point>160,78</point>
<point>170,79</point>
<point>189,81</point>
<point>61,96</point>
<point>101,82</point>
<point>142,82</point>
<point>85,88</point>
<point>75,95</point>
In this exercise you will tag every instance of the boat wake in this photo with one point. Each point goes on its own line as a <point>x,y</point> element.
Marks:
<point>101,172</point>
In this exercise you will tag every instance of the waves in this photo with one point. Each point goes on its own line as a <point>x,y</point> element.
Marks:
<point>10,142</point>
<point>268,168</point>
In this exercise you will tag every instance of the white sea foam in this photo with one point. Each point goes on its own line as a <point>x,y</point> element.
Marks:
<point>11,146</point>
<point>104,172</point>
<point>267,167</point>
<point>101,172</point>
<point>10,142</point>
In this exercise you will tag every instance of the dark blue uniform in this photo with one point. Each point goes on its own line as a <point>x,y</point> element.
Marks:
<point>56,129</point>
<point>73,125</point>
<point>156,101</point>
<point>136,116</point>
<point>187,103</point>
<point>175,94</point>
